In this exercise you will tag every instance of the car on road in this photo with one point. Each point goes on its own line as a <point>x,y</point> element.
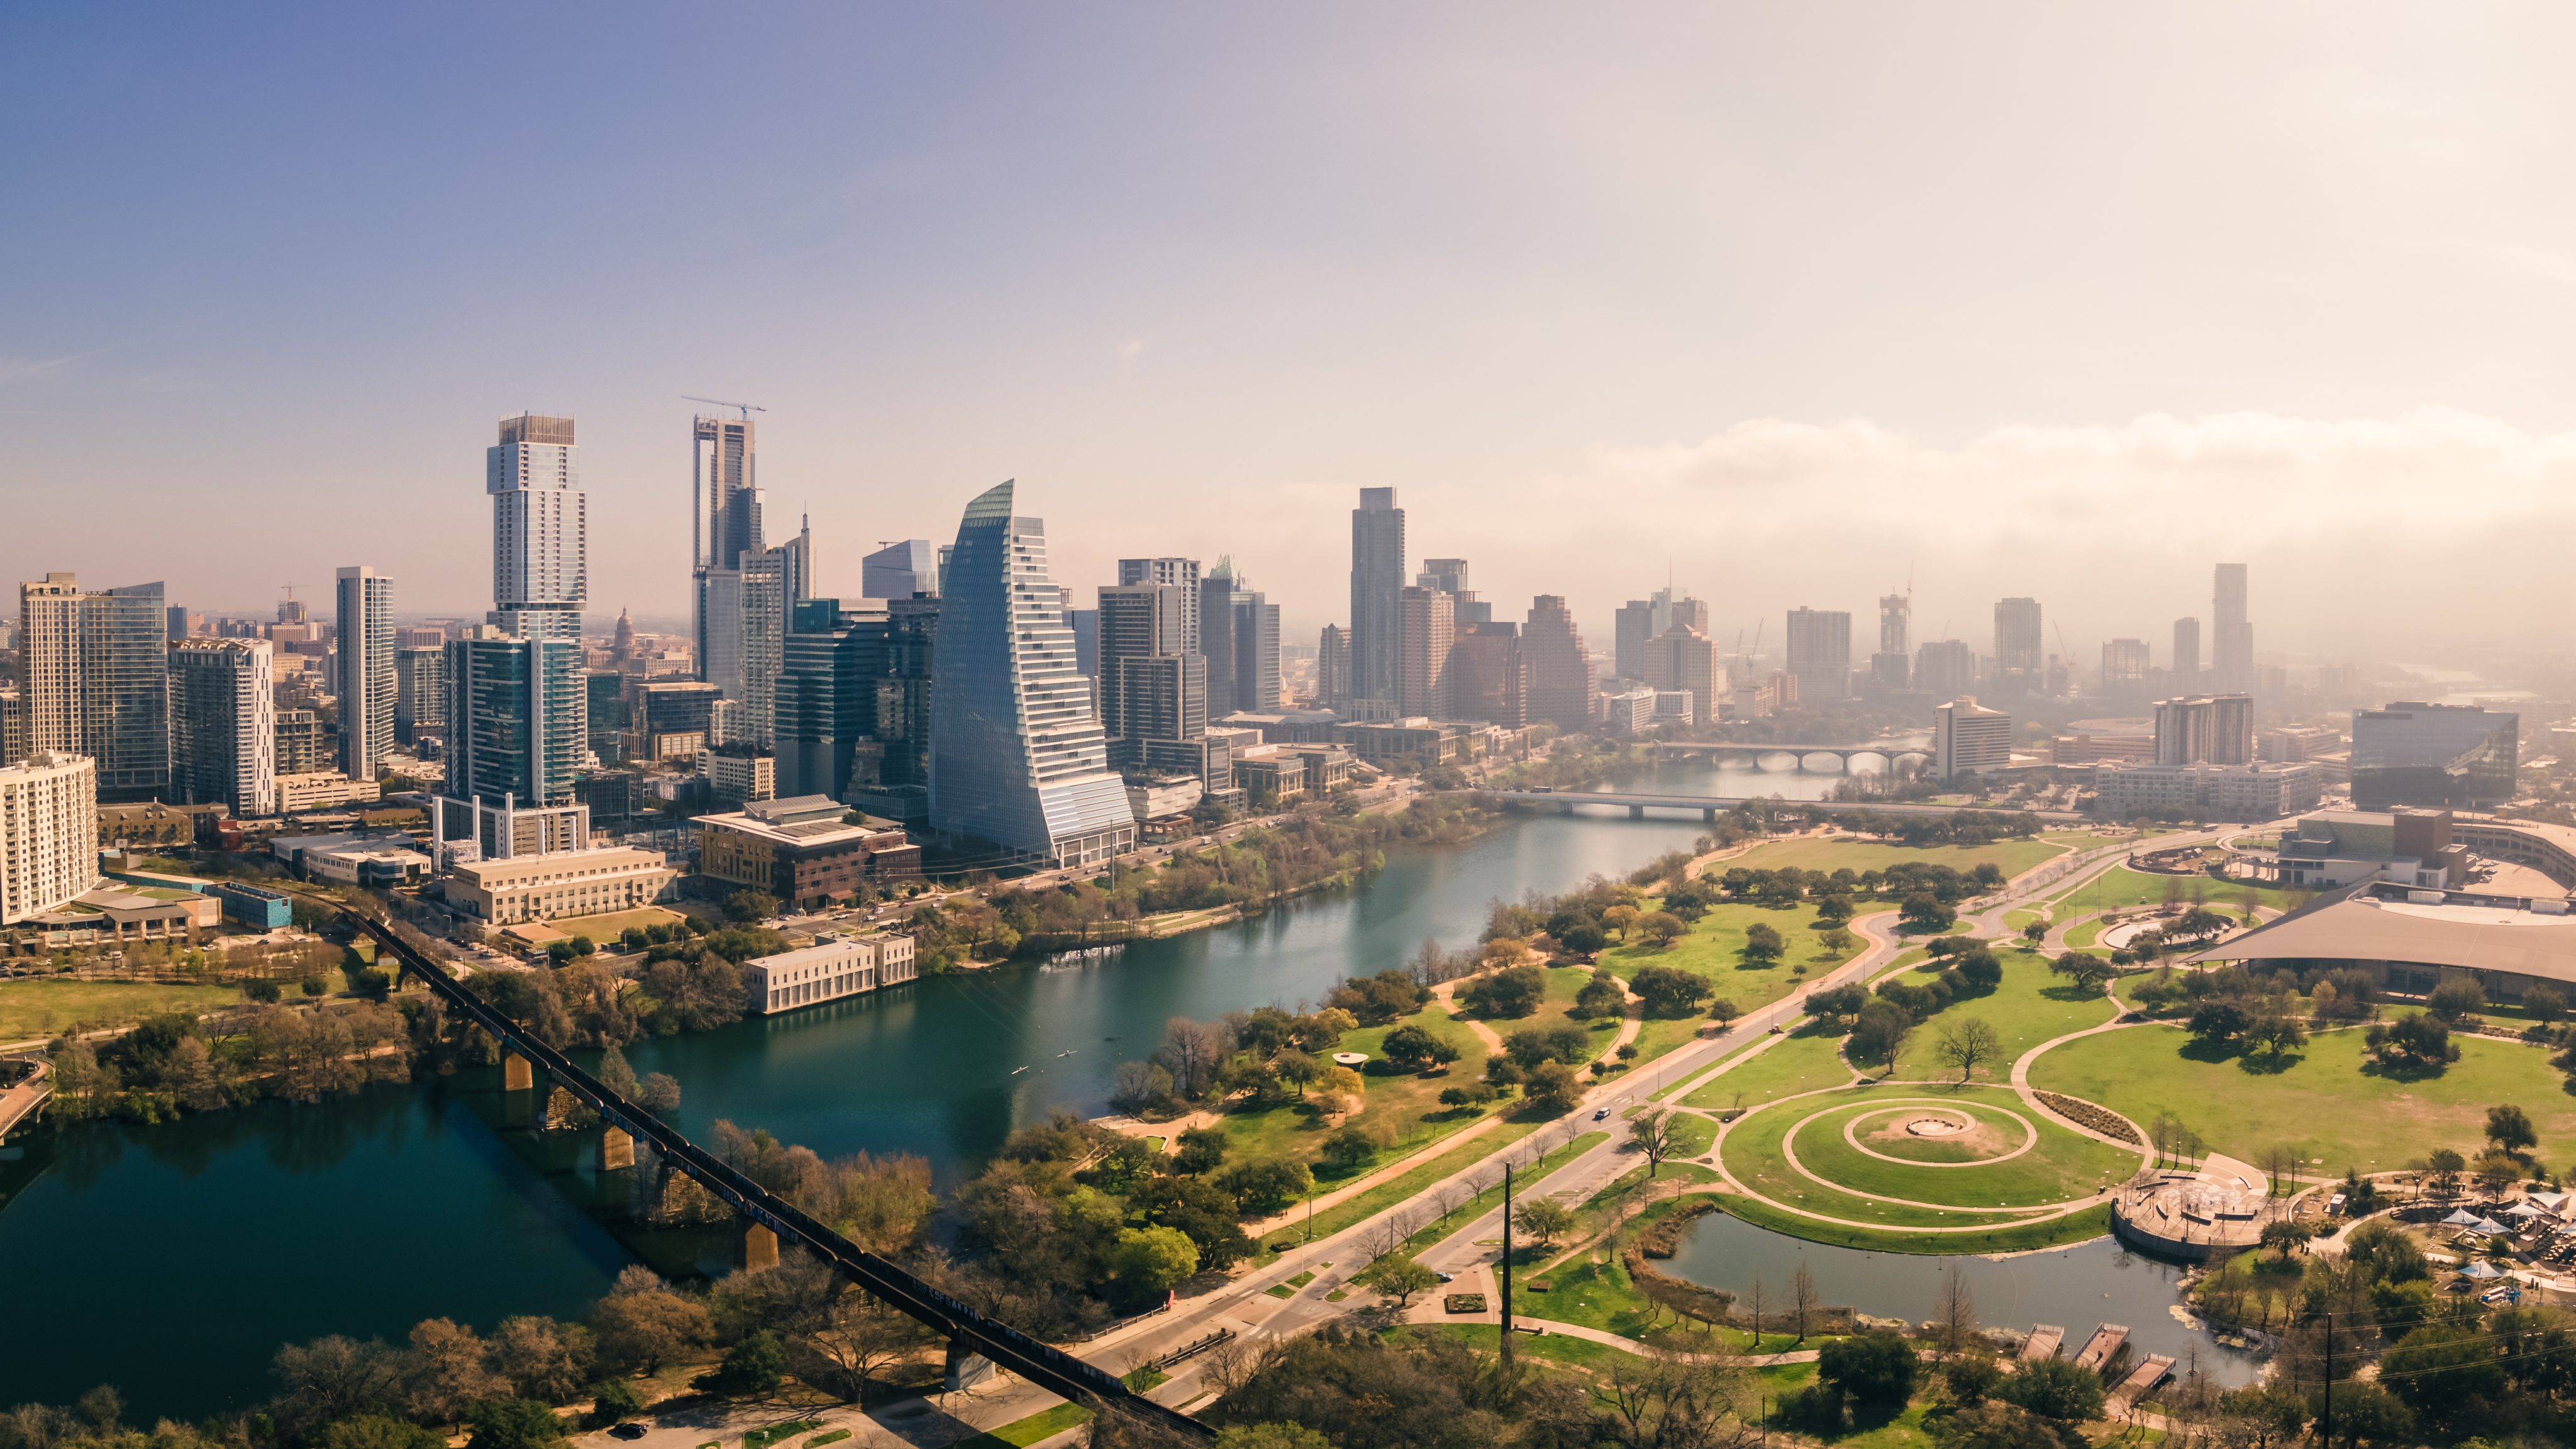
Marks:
<point>627,1431</point>
<point>1604,1112</point>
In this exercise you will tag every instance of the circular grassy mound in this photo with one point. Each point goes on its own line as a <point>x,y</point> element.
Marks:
<point>1940,1134</point>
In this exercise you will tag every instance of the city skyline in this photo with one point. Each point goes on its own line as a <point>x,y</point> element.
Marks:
<point>2127,406</point>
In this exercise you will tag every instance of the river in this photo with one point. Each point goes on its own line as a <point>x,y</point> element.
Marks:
<point>172,1260</point>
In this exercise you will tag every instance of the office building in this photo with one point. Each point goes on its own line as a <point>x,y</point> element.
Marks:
<point>1430,632</point>
<point>1152,686</point>
<point>805,851</point>
<point>1489,676</point>
<point>826,698</point>
<point>1945,668</point>
<point>1563,688</point>
<point>2433,755</point>
<point>540,529</point>
<point>571,883</point>
<point>303,746</point>
<point>1449,576</point>
<point>223,725</point>
<point>1179,573</point>
<point>1820,653</point>
<point>2124,663</point>
<point>603,708</point>
<point>1969,739</point>
<point>2020,650</point>
<point>48,833</point>
<point>420,694</point>
<point>834,968</point>
<point>738,775</point>
<point>1891,667</point>
<point>1630,628</point>
<point>1333,668</point>
<point>2205,730</point>
<point>365,678</point>
<point>2291,744</point>
<point>2186,650</point>
<point>673,719</point>
<point>516,738</point>
<point>1377,597</point>
<point>1237,629</point>
<point>13,724</point>
<point>2231,633</point>
<point>2206,792</point>
<point>1017,757</point>
<point>1683,660</point>
<point>727,541</point>
<point>900,570</point>
<point>96,673</point>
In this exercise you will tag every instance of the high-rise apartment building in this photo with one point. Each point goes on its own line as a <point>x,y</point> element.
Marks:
<point>1152,686</point>
<point>517,719</point>
<point>540,529</point>
<point>1684,659</point>
<point>900,570</point>
<point>2205,730</point>
<point>1237,629</point>
<point>1968,738</point>
<point>767,589</point>
<point>96,669</point>
<point>1430,632</point>
<point>1179,573</point>
<point>890,773</point>
<point>13,724</point>
<point>1489,676</point>
<point>1820,653</point>
<point>1017,756</point>
<point>1891,666</point>
<point>826,699</point>
<point>1377,597</point>
<point>420,694</point>
<point>365,682</point>
<point>2231,640</point>
<point>302,746</point>
<point>1333,668</point>
<point>2021,654</point>
<point>2434,755</point>
<point>223,725</point>
<point>2186,650</point>
<point>724,530</point>
<point>1945,668</point>
<point>48,832</point>
<point>1562,688</point>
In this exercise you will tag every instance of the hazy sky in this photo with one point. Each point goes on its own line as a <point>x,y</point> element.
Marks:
<point>2068,301</point>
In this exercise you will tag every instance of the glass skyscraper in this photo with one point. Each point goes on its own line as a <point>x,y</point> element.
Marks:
<point>540,528</point>
<point>1377,598</point>
<point>98,681</point>
<point>517,720</point>
<point>827,693</point>
<point>1017,757</point>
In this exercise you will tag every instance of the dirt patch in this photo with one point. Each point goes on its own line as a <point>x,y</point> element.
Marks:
<point>1964,1133</point>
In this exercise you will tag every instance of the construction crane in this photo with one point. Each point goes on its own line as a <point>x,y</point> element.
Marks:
<point>746,409</point>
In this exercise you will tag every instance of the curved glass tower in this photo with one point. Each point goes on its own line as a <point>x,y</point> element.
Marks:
<point>1017,756</point>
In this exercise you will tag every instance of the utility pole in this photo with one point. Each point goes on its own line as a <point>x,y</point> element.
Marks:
<point>1507,1271</point>
<point>2325,1425</point>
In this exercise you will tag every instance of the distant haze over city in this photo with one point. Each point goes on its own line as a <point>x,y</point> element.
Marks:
<point>1786,306</point>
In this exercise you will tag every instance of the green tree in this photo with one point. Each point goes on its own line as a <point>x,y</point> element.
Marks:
<point>614,1401</point>
<point>1347,1151</point>
<point>1762,943</point>
<point>1601,996</point>
<point>1282,1435</point>
<point>380,1431</point>
<point>2456,1000</point>
<point>515,1424</point>
<point>1874,1369</point>
<point>2054,1388</point>
<point>1401,1278</point>
<point>1200,1150</point>
<point>1880,1032</point>
<point>1661,928</point>
<point>1513,992</point>
<point>748,906</point>
<point>1669,991</point>
<point>1267,1184</point>
<point>756,1365</point>
<point>2509,1129</point>
<point>1552,1088</point>
<point>1543,1218</point>
<point>1153,1260</point>
<point>1923,911</point>
<point>1416,1050</point>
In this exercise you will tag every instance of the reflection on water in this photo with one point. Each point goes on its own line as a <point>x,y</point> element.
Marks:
<point>2075,1288</point>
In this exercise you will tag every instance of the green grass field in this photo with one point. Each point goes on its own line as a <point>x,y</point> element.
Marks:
<point>2028,1007</point>
<point>2064,1166</point>
<point>2019,1238</point>
<point>2317,1099</point>
<point>1405,1106</point>
<point>1714,950</point>
<point>2121,887</point>
<point>604,928</point>
<point>34,1008</point>
<point>1802,1061</point>
<point>2012,857</point>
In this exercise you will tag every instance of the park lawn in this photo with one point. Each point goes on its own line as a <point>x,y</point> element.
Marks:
<point>2316,1099</point>
<point>44,1007</point>
<point>604,929</point>
<point>1037,1428</point>
<point>1805,1060</point>
<point>1406,1105</point>
<point>2012,857</point>
<point>1405,1184</point>
<point>1693,1136</point>
<point>2029,1006</point>
<point>1555,1010</point>
<point>1635,1178</point>
<point>1714,951</point>
<point>2064,1166</point>
<point>1583,1353</point>
<point>2120,887</point>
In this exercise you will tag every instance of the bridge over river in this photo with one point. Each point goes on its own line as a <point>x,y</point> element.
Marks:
<point>30,1082</point>
<point>1842,756</point>
<point>1708,806</point>
<point>767,1218</point>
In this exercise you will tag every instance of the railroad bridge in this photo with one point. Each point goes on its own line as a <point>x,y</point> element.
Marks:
<point>1889,750</point>
<point>976,1342</point>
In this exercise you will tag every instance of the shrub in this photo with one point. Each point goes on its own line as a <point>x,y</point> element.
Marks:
<point>1874,1369</point>
<point>2456,999</point>
<point>1516,992</point>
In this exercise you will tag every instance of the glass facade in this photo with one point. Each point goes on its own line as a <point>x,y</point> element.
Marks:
<point>1017,757</point>
<point>517,713</point>
<point>2433,755</point>
<point>826,700</point>
<point>125,692</point>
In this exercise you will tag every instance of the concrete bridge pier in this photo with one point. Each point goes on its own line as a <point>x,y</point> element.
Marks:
<point>1565,809</point>
<point>616,1149</point>
<point>1636,812</point>
<point>966,1367</point>
<point>516,1074</point>
<point>1709,815</point>
<point>758,1248</point>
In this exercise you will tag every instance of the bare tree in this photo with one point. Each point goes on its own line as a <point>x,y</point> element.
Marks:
<point>1967,1044</point>
<point>1954,1309</point>
<point>1226,1366</point>
<point>1803,1298</point>
<point>1651,1132</point>
<point>2280,1160</point>
<point>1757,1312</point>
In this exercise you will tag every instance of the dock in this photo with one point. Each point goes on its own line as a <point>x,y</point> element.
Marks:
<point>2098,1349</point>
<point>2145,1377</point>
<point>2043,1341</point>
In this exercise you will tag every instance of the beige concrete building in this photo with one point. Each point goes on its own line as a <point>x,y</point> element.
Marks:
<point>323,790</point>
<point>829,970</point>
<point>570,883</point>
<point>48,833</point>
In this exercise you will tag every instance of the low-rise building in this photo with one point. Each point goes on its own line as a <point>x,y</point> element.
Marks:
<point>803,850</point>
<point>739,774</point>
<point>567,883</point>
<point>1162,798</point>
<point>152,822</point>
<point>2209,792</point>
<point>2412,939</point>
<point>1628,712</point>
<point>253,906</point>
<point>833,968</point>
<point>323,790</point>
<point>356,857</point>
